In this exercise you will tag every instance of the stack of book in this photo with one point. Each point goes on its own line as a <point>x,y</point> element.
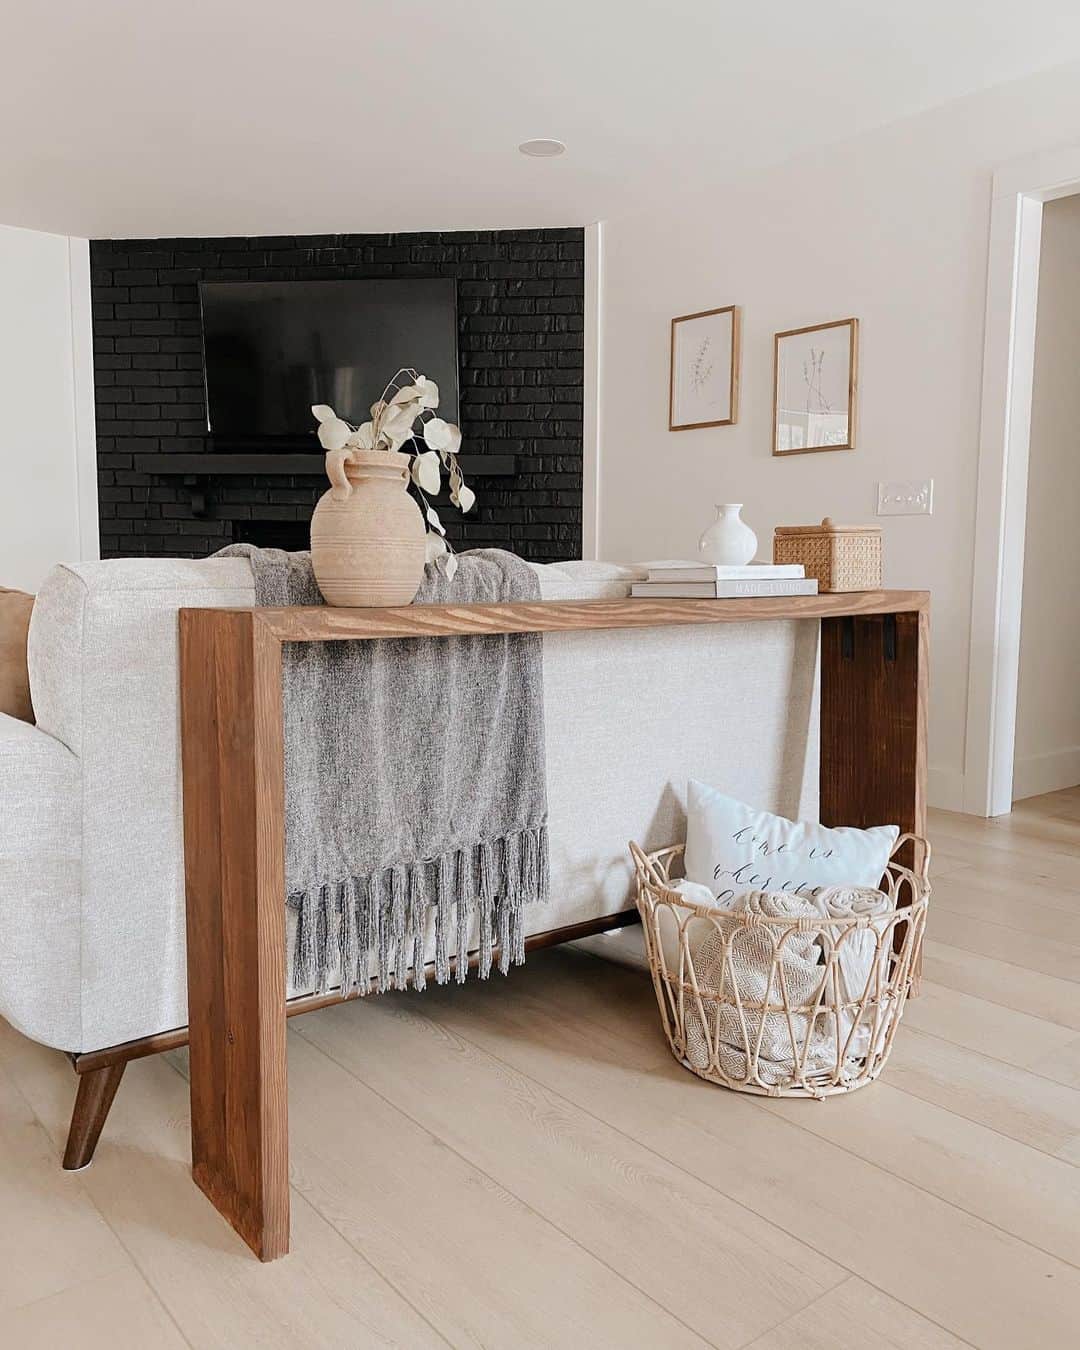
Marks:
<point>717,581</point>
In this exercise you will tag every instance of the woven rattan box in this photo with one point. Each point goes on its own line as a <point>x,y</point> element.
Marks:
<point>841,557</point>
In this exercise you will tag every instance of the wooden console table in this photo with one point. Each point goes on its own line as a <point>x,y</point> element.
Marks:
<point>873,770</point>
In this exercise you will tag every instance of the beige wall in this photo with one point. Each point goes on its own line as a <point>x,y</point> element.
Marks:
<point>1048,707</point>
<point>891,227</point>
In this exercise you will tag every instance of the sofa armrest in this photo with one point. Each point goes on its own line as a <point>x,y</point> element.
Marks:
<point>40,882</point>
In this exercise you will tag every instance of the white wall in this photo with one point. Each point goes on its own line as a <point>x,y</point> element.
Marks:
<point>891,227</point>
<point>48,493</point>
<point>1047,755</point>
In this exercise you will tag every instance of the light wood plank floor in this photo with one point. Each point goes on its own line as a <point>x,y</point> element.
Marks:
<point>523,1164</point>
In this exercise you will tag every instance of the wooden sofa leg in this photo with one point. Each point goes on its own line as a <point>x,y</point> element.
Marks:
<point>97,1088</point>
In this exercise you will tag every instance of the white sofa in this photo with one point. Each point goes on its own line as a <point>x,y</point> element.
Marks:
<point>91,844</point>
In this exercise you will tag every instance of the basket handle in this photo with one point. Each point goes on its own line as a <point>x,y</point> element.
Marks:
<point>922,852</point>
<point>647,868</point>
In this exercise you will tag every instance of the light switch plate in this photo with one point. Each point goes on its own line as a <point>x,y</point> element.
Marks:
<point>906,499</point>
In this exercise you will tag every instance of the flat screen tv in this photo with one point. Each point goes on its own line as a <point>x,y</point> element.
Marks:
<point>272,349</point>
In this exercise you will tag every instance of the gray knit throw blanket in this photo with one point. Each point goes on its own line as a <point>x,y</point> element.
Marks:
<point>415,784</point>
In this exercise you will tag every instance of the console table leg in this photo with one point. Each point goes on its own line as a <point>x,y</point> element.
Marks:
<point>234,845</point>
<point>873,722</point>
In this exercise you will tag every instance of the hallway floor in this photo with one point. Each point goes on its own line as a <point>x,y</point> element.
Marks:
<point>522,1163</point>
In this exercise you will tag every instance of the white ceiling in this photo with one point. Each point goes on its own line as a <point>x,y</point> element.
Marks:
<point>203,117</point>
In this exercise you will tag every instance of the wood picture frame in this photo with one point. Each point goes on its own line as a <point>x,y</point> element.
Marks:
<point>799,363</point>
<point>704,347</point>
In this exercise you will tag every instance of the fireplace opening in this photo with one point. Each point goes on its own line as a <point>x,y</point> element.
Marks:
<point>293,535</point>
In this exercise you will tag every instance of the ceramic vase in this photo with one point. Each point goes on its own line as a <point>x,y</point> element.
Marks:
<point>368,546</point>
<point>728,540</point>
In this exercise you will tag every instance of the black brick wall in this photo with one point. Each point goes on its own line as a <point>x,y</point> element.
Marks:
<point>520,338</point>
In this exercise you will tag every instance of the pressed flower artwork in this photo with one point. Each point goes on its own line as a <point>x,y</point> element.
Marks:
<point>704,369</point>
<point>815,388</point>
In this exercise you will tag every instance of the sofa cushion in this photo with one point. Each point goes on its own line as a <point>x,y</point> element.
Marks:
<point>15,607</point>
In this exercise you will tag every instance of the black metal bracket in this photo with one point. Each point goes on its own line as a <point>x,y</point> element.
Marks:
<point>847,638</point>
<point>888,635</point>
<point>198,487</point>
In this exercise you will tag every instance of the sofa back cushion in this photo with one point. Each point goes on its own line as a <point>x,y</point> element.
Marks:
<point>15,608</point>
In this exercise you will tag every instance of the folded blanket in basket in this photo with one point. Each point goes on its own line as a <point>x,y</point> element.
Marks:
<point>414,782</point>
<point>862,957</point>
<point>669,918</point>
<point>758,964</point>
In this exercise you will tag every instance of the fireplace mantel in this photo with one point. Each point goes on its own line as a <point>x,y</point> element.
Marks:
<point>211,464</point>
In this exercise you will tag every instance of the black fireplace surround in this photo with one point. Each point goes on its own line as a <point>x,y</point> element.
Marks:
<point>520,297</point>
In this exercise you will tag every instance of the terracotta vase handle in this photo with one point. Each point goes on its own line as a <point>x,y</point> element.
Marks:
<point>340,487</point>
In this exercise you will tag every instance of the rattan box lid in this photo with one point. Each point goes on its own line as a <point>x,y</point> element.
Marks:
<point>827,526</point>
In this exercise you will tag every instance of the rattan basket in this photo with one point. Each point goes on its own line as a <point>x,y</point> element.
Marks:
<point>840,557</point>
<point>790,1041</point>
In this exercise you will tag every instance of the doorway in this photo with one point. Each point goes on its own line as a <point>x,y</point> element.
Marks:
<point>1021,193</point>
<point>1046,756</point>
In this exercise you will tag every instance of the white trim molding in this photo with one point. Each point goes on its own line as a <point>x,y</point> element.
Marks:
<point>945,788</point>
<point>1020,190</point>
<point>1047,772</point>
<point>590,430</point>
<point>82,369</point>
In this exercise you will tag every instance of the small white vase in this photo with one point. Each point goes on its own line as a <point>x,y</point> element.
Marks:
<point>728,540</point>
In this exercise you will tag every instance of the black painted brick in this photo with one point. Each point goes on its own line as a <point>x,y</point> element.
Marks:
<point>520,307</point>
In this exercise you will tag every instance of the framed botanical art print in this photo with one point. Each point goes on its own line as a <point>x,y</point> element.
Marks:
<point>815,387</point>
<point>704,369</point>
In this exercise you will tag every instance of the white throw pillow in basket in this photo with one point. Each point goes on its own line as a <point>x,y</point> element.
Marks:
<point>732,848</point>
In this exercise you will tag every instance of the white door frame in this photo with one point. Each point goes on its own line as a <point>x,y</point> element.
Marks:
<point>1020,190</point>
<point>82,367</point>
<point>591,411</point>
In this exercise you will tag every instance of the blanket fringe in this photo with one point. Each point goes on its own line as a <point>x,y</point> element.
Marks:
<point>345,928</point>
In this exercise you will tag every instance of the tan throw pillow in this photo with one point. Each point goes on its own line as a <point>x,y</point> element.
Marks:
<point>15,607</point>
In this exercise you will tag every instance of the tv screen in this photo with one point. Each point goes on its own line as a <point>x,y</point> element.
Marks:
<point>272,349</point>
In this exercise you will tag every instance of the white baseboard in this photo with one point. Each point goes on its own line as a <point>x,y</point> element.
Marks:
<point>1048,772</point>
<point>945,789</point>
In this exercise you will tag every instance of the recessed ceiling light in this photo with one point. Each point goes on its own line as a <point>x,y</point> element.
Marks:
<point>542,148</point>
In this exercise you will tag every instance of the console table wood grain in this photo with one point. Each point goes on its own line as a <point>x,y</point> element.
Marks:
<point>873,770</point>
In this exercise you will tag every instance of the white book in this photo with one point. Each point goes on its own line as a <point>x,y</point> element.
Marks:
<point>730,588</point>
<point>722,571</point>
